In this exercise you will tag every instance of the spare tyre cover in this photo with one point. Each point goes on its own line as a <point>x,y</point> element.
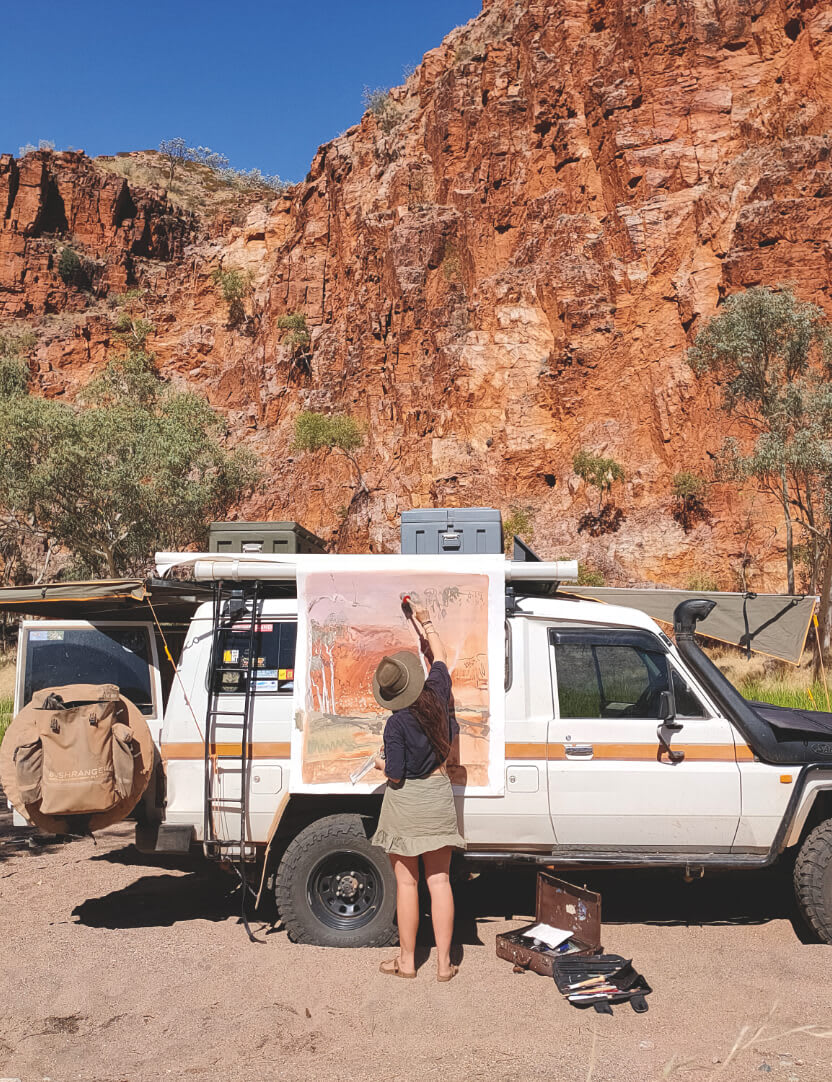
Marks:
<point>23,732</point>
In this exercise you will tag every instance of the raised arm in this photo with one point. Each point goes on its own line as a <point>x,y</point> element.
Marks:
<point>436,648</point>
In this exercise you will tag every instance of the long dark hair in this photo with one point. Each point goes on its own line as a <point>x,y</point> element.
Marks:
<point>432,716</point>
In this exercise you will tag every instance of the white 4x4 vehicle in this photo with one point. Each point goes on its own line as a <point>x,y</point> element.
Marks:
<point>622,749</point>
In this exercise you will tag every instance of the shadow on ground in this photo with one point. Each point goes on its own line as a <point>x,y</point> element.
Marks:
<point>14,839</point>
<point>659,897</point>
<point>158,901</point>
<point>206,892</point>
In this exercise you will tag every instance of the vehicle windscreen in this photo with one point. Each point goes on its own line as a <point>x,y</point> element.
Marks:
<point>87,655</point>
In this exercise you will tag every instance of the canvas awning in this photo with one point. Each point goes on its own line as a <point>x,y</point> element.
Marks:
<point>772,624</point>
<point>109,599</point>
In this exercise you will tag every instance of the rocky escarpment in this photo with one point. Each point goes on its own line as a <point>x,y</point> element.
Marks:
<point>506,265</point>
<point>48,200</point>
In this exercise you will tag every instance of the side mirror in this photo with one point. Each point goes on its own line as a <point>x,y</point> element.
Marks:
<point>667,712</point>
<point>668,723</point>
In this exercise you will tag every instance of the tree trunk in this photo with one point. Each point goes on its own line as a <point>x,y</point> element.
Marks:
<point>789,533</point>
<point>110,556</point>
<point>825,610</point>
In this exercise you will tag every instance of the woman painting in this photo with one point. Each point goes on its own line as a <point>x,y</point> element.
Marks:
<point>418,817</point>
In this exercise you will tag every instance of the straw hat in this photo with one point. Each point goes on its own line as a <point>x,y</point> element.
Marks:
<point>398,680</point>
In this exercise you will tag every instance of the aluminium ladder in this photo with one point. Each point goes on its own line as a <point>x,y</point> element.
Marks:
<point>241,719</point>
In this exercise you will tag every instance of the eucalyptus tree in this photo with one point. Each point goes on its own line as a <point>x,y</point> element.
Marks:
<point>771,356</point>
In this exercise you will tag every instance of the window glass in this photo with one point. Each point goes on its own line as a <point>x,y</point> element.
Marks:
<point>578,688</point>
<point>687,703</point>
<point>601,681</point>
<point>90,655</point>
<point>274,657</point>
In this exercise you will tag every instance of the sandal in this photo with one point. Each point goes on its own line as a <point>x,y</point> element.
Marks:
<point>448,976</point>
<point>392,969</point>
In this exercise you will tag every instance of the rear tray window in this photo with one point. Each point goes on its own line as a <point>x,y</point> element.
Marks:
<point>90,655</point>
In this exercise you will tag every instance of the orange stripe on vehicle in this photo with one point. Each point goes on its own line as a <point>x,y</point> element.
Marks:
<point>720,753</point>
<point>526,751</point>
<point>195,750</point>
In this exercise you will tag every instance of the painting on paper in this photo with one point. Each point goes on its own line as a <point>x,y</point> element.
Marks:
<point>349,618</point>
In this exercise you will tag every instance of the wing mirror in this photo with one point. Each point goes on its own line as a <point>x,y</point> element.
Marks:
<point>667,713</point>
<point>669,724</point>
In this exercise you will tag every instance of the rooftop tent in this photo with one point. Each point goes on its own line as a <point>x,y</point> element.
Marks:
<point>773,624</point>
<point>114,599</point>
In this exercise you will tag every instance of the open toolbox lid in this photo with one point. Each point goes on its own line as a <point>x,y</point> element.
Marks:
<point>572,908</point>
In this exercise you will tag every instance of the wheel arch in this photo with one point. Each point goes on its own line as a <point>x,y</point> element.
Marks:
<point>303,809</point>
<point>815,806</point>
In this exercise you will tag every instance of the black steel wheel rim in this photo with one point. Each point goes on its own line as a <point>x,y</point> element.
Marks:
<point>344,890</point>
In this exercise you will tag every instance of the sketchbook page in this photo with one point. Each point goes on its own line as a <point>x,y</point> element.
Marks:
<point>552,937</point>
<point>349,616</point>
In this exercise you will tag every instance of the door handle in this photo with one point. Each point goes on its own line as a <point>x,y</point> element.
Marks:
<point>579,751</point>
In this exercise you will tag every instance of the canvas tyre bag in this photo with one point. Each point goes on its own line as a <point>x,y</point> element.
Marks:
<point>78,775</point>
<point>23,739</point>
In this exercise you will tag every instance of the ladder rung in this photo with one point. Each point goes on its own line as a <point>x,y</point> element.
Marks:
<point>227,713</point>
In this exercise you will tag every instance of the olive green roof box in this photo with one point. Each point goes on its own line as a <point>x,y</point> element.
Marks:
<point>266,537</point>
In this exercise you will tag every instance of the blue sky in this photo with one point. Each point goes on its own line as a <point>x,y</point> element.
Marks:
<point>264,83</point>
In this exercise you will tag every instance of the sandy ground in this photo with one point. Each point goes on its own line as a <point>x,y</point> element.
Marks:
<point>120,967</point>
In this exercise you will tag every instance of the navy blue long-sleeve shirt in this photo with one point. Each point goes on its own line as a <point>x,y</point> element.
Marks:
<point>407,751</point>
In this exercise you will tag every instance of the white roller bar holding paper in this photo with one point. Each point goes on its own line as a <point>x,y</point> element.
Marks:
<point>239,567</point>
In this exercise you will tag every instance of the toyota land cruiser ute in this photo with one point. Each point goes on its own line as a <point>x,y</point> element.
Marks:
<point>622,749</point>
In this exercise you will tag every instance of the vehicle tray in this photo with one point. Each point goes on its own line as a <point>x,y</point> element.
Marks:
<point>564,906</point>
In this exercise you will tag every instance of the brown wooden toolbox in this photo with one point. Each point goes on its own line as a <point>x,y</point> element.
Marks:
<point>563,906</point>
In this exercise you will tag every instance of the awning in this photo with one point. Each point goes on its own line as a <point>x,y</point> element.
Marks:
<point>772,624</point>
<point>108,599</point>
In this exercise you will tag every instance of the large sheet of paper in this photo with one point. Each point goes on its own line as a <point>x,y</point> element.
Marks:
<point>349,616</point>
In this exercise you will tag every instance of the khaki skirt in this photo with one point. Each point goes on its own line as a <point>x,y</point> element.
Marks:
<point>418,817</point>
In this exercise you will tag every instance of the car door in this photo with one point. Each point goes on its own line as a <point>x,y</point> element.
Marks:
<point>611,782</point>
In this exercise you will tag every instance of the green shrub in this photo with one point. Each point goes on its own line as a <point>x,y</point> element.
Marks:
<point>587,576</point>
<point>519,522</point>
<point>131,331</point>
<point>297,336</point>
<point>14,377</point>
<point>70,267</point>
<point>602,473</point>
<point>687,485</point>
<point>235,286</point>
<point>315,431</point>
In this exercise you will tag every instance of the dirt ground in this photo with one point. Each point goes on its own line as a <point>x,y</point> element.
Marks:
<point>122,968</point>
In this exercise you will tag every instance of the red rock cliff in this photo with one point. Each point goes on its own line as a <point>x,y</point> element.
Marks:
<point>511,271</point>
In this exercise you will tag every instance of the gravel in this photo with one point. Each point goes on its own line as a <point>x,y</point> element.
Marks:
<point>124,968</point>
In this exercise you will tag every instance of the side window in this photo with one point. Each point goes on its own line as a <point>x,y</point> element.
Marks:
<point>687,703</point>
<point>274,661</point>
<point>609,681</point>
<point>579,691</point>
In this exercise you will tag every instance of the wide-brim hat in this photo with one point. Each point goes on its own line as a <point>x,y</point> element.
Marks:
<point>398,680</point>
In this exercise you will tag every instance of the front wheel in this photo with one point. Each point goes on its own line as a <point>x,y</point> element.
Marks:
<point>813,880</point>
<point>334,889</point>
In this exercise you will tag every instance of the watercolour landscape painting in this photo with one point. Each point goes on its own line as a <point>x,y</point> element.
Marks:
<point>350,616</point>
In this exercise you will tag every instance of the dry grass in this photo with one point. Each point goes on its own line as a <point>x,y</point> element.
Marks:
<point>771,681</point>
<point>195,187</point>
<point>7,674</point>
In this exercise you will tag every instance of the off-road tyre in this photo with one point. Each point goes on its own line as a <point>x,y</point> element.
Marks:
<point>813,880</point>
<point>334,889</point>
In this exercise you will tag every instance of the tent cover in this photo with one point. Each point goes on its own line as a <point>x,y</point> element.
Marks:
<point>772,624</point>
<point>109,599</point>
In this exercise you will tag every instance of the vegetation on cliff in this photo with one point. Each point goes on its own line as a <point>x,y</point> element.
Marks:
<point>132,466</point>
